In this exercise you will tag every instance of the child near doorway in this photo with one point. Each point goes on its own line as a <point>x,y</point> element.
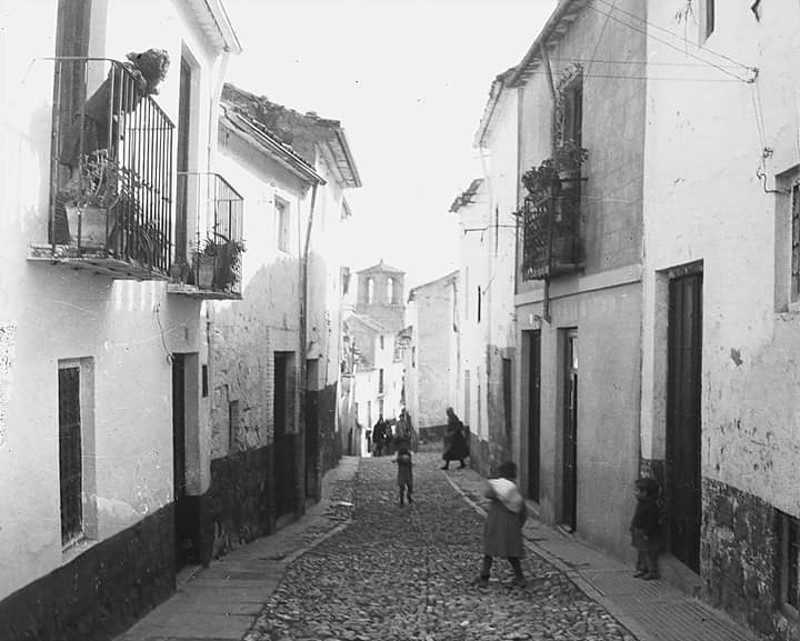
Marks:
<point>645,529</point>
<point>405,477</point>
<point>502,531</point>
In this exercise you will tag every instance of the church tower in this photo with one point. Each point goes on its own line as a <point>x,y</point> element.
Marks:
<point>381,295</point>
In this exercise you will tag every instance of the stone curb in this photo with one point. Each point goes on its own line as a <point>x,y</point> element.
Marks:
<point>585,586</point>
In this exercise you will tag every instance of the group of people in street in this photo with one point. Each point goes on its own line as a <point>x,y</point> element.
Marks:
<point>386,435</point>
<point>507,514</point>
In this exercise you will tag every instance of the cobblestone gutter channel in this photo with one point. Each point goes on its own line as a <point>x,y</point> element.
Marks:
<point>402,573</point>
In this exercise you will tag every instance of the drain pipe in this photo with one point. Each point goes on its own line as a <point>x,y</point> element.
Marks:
<point>300,454</point>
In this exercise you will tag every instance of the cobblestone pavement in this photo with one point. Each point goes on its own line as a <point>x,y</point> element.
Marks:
<point>406,573</point>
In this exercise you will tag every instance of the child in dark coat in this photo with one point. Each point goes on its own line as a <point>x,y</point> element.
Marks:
<point>645,529</point>
<point>502,532</point>
<point>405,476</point>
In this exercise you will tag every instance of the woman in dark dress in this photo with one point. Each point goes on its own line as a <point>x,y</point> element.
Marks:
<point>455,441</point>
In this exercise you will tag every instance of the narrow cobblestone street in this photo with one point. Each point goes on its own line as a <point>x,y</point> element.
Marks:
<point>406,573</point>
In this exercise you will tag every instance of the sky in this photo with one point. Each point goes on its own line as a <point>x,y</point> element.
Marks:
<point>408,79</point>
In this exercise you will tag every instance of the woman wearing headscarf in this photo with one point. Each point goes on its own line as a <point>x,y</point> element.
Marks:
<point>455,441</point>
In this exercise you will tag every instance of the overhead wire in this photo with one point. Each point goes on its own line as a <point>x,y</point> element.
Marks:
<point>673,34</point>
<point>645,33</point>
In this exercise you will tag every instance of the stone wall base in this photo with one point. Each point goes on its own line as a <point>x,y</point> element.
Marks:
<point>240,502</point>
<point>100,593</point>
<point>739,559</point>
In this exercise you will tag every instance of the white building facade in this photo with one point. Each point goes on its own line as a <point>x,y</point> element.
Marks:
<point>720,283</point>
<point>103,421</point>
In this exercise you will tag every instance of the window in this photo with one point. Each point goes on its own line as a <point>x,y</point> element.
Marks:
<point>204,376</point>
<point>795,241</point>
<point>282,220</point>
<point>233,423</point>
<point>382,341</point>
<point>479,305</point>
<point>370,291</point>
<point>789,555</point>
<point>380,381</point>
<point>572,124</point>
<point>69,453</point>
<point>75,447</point>
<point>390,290</point>
<point>345,275</point>
<point>709,18</point>
<point>413,357</point>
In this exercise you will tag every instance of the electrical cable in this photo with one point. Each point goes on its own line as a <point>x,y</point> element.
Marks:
<point>673,34</point>
<point>646,34</point>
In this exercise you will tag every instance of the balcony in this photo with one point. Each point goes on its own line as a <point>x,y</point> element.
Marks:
<point>208,261</point>
<point>110,173</point>
<point>551,231</point>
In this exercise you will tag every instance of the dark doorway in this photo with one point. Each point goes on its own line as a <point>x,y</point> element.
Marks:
<point>284,468</point>
<point>532,343</point>
<point>508,423</point>
<point>685,342</point>
<point>570,431</point>
<point>312,429</point>
<point>184,524</point>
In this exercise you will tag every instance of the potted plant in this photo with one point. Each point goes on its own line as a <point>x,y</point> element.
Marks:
<point>90,199</point>
<point>569,158</point>
<point>228,263</point>
<point>218,262</point>
<point>206,259</point>
<point>541,180</point>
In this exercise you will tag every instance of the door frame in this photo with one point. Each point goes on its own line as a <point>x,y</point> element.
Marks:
<point>569,427</point>
<point>688,552</point>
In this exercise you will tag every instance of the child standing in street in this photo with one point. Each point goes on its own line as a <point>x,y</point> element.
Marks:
<point>502,532</point>
<point>645,529</point>
<point>405,477</point>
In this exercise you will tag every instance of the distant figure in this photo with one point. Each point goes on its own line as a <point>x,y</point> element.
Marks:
<point>405,429</point>
<point>379,436</point>
<point>645,529</point>
<point>455,441</point>
<point>388,437</point>
<point>405,476</point>
<point>502,531</point>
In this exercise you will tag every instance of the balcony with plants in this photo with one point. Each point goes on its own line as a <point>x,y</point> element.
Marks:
<point>551,215</point>
<point>110,172</point>
<point>209,241</point>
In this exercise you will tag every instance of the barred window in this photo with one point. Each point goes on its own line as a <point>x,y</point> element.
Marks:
<point>69,450</point>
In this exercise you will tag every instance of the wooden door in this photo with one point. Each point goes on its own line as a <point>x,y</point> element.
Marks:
<point>685,342</point>
<point>284,468</point>
<point>183,524</point>
<point>533,342</point>
<point>570,432</point>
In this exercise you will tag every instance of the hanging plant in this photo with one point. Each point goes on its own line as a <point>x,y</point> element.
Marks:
<point>541,180</point>
<point>570,156</point>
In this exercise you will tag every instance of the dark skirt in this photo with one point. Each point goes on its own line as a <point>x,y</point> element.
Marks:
<point>455,448</point>
<point>502,532</point>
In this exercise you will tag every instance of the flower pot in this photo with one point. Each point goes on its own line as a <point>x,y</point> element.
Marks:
<point>87,227</point>
<point>205,271</point>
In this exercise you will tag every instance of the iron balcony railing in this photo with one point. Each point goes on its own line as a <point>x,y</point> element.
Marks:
<point>209,234</point>
<point>551,243</point>
<point>111,169</point>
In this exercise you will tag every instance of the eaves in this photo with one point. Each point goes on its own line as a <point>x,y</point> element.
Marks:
<point>556,26</point>
<point>285,157</point>
<point>212,19</point>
